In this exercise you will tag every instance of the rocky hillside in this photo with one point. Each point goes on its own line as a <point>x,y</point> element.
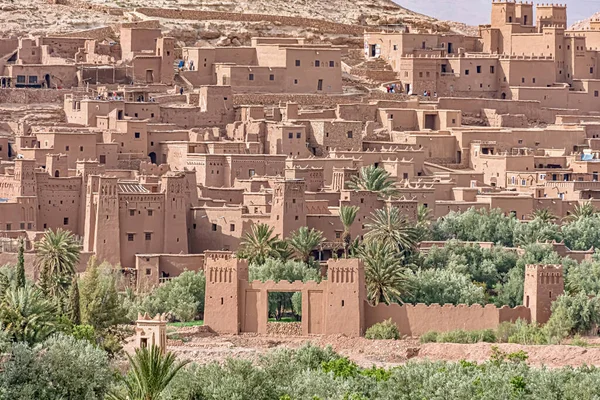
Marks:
<point>224,27</point>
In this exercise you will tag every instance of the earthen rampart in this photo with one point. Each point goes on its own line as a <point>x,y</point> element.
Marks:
<point>415,320</point>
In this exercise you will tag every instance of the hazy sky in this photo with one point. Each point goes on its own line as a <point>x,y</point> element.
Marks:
<point>476,12</point>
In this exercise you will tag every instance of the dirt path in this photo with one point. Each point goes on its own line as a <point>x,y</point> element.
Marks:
<point>206,348</point>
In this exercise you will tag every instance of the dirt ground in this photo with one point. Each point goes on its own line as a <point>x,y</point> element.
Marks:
<point>205,347</point>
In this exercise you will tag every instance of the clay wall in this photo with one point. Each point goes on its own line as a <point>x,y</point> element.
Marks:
<point>61,76</point>
<point>141,225</point>
<point>59,202</point>
<point>416,320</point>
<point>32,96</point>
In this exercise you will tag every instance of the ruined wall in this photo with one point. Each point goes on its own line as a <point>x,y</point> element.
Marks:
<point>33,96</point>
<point>415,320</point>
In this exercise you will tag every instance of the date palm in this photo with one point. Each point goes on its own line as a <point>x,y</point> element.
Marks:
<point>57,255</point>
<point>304,241</point>
<point>385,275</point>
<point>389,226</point>
<point>259,244</point>
<point>149,375</point>
<point>423,222</point>
<point>374,179</point>
<point>580,211</point>
<point>347,216</point>
<point>543,215</point>
<point>27,315</point>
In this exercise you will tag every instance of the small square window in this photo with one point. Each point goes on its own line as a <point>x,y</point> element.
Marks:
<point>131,213</point>
<point>331,64</point>
<point>295,81</point>
<point>290,135</point>
<point>9,227</point>
<point>65,221</point>
<point>232,227</point>
<point>349,134</point>
<point>150,212</point>
<point>338,235</point>
<point>66,148</point>
<point>317,63</point>
<point>137,135</point>
<point>20,78</point>
<point>251,77</point>
<point>130,237</point>
<point>296,218</point>
<point>271,77</point>
<point>29,225</point>
<point>466,72</point>
<point>522,80</point>
<point>492,69</point>
<point>80,148</point>
<point>479,69</point>
<point>148,271</point>
<point>135,115</point>
<point>298,135</point>
<point>33,79</point>
<point>148,236</point>
<point>214,227</point>
<point>297,63</point>
<point>22,225</point>
<point>595,93</point>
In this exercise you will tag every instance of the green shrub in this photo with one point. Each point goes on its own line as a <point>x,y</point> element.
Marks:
<point>526,333</point>
<point>341,368</point>
<point>460,336</point>
<point>429,337</point>
<point>383,330</point>
<point>181,297</point>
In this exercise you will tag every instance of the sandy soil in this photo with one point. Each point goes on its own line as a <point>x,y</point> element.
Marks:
<point>205,347</point>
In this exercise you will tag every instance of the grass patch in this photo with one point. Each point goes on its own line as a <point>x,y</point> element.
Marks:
<point>284,319</point>
<point>186,324</point>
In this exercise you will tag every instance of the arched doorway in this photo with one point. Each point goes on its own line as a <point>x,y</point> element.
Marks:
<point>47,79</point>
<point>57,174</point>
<point>503,96</point>
<point>152,157</point>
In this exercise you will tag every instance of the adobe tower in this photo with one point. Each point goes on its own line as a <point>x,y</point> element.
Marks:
<point>543,284</point>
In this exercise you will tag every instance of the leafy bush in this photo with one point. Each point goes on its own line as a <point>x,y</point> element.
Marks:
<point>459,336</point>
<point>429,337</point>
<point>383,330</point>
<point>61,368</point>
<point>526,333</point>
<point>574,314</point>
<point>181,297</point>
<point>281,375</point>
<point>443,286</point>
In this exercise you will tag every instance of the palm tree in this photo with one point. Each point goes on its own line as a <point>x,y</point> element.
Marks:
<point>423,222</point>
<point>27,316</point>
<point>57,255</point>
<point>580,211</point>
<point>259,244</point>
<point>304,241</point>
<point>347,216</point>
<point>544,215</point>
<point>374,179</point>
<point>149,375</point>
<point>384,273</point>
<point>390,226</point>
